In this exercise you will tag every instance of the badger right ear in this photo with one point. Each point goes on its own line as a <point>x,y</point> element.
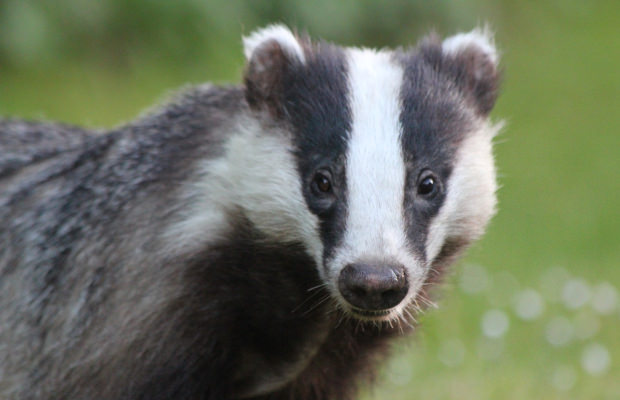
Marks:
<point>271,54</point>
<point>475,66</point>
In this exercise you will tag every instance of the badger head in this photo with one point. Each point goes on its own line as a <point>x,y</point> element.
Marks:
<point>392,157</point>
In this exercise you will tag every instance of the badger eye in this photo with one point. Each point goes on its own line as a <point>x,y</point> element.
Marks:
<point>322,183</point>
<point>427,185</point>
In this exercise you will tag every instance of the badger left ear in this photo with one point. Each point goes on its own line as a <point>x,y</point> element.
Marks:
<point>474,63</point>
<point>272,54</point>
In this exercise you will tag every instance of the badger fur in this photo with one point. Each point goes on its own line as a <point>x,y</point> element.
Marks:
<point>264,241</point>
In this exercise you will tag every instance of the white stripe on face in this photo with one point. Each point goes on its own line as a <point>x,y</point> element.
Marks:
<point>375,167</point>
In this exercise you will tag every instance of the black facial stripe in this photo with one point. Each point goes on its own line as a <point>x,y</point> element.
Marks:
<point>433,127</point>
<point>316,106</point>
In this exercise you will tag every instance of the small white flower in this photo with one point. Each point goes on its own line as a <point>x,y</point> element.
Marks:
<point>576,293</point>
<point>595,359</point>
<point>529,305</point>
<point>495,323</point>
<point>604,298</point>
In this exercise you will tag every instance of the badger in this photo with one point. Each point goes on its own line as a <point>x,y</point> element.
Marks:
<point>261,241</point>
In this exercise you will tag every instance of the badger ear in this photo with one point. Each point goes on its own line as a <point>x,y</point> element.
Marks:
<point>271,54</point>
<point>474,62</point>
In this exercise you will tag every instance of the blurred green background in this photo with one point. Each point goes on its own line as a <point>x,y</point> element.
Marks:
<point>532,312</point>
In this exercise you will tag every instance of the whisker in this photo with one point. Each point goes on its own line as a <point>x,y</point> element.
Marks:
<point>410,316</point>
<point>317,287</point>
<point>428,301</point>
<point>305,301</point>
<point>402,320</point>
<point>314,307</point>
<point>400,326</point>
<point>343,317</point>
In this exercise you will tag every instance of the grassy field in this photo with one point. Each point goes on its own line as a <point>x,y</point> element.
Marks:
<point>533,311</point>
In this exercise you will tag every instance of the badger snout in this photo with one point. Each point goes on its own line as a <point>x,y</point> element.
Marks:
<point>373,287</point>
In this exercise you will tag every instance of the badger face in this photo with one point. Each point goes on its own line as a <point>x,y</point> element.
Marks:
<point>393,155</point>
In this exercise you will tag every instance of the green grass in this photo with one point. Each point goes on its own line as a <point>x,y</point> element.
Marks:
<point>559,214</point>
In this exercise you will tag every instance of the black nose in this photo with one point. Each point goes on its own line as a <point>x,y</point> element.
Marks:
<point>373,287</point>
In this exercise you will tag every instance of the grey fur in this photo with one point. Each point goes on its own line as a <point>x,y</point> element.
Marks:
<point>79,241</point>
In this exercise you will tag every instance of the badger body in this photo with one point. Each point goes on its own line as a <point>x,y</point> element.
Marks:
<point>265,241</point>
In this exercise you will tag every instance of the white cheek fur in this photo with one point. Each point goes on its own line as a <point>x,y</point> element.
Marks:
<point>470,201</point>
<point>246,179</point>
